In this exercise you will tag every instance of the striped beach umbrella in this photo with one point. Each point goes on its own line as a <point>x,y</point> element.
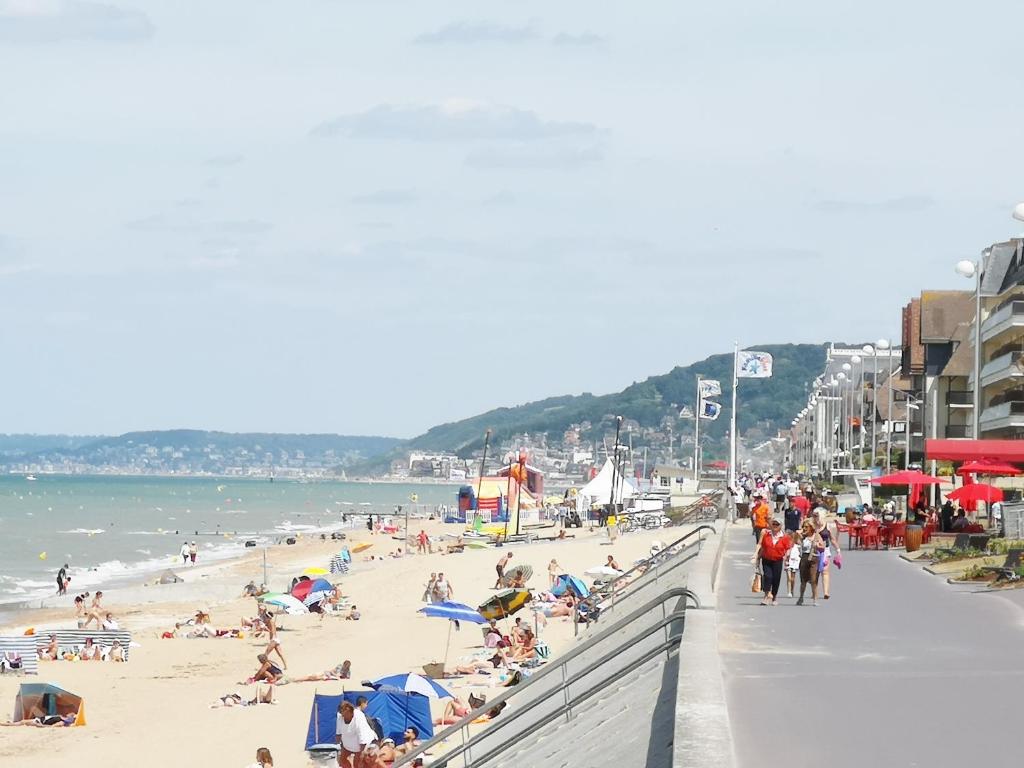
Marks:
<point>454,611</point>
<point>504,603</point>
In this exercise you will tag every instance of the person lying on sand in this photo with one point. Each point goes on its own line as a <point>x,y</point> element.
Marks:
<point>39,719</point>
<point>341,672</point>
<point>236,700</point>
<point>499,659</point>
<point>454,710</point>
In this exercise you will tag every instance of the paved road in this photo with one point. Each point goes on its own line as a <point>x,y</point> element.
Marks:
<point>897,669</point>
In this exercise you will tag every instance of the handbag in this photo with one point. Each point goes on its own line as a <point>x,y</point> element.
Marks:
<point>755,584</point>
<point>838,560</point>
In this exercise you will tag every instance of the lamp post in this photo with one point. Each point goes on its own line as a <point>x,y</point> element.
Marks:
<point>884,344</point>
<point>867,349</point>
<point>912,404</point>
<point>971,269</point>
<point>859,361</point>
<point>841,443</point>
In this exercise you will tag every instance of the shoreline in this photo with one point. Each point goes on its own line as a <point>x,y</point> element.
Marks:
<point>300,479</point>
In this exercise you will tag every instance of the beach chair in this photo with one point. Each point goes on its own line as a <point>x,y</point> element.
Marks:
<point>18,655</point>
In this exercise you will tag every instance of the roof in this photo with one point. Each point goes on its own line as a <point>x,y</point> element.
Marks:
<point>961,362</point>
<point>942,313</point>
<point>900,384</point>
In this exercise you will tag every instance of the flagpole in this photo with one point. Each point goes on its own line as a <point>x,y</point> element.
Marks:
<point>732,424</point>
<point>696,436</point>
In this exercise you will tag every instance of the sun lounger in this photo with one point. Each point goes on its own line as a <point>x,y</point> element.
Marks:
<point>18,655</point>
<point>74,639</point>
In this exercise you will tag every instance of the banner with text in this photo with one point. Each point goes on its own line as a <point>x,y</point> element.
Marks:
<point>753,365</point>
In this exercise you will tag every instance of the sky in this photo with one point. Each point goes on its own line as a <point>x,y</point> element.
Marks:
<point>373,216</point>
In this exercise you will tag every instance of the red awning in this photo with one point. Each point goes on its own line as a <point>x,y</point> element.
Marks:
<point>975,450</point>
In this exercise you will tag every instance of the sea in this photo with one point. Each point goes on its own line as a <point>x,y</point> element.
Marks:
<point>111,528</point>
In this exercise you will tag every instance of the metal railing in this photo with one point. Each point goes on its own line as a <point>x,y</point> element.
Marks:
<point>704,509</point>
<point>673,634</point>
<point>653,567</point>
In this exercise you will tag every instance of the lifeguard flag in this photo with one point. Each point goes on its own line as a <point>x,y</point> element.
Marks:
<point>753,365</point>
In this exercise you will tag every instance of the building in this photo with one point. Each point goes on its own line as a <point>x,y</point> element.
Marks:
<point>1002,341</point>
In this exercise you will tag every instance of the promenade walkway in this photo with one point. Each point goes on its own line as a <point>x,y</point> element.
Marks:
<point>897,669</point>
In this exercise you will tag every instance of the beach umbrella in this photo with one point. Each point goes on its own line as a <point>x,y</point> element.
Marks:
<point>520,573</point>
<point>454,612</point>
<point>987,467</point>
<point>410,683</point>
<point>504,603</point>
<point>287,602</point>
<point>568,583</point>
<point>313,591</point>
<point>602,570</point>
<point>315,572</point>
<point>905,477</point>
<point>976,492</point>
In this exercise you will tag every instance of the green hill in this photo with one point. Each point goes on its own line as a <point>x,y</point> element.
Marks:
<point>768,403</point>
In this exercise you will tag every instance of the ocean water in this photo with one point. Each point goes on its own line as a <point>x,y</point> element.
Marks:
<point>110,528</point>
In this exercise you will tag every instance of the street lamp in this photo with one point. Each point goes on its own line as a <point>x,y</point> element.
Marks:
<point>867,349</point>
<point>912,404</point>
<point>858,360</point>
<point>971,269</point>
<point>885,345</point>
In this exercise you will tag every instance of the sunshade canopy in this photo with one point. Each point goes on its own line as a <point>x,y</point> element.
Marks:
<point>454,611</point>
<point>998,468</point>
<point>504,603</point>
<point>976,492</point>
<point>906,477</point>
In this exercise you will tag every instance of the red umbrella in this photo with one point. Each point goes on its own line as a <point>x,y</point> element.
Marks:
<point>976,492</point>
<point>987,467</point>
<point>906,477</point>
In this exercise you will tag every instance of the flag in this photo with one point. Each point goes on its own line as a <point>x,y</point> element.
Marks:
<point>709,409</point>
<point>753,365</point>
<point>710,388</point>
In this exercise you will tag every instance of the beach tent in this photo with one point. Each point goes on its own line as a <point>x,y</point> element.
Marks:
<point>48,699</point>
<point>395,710</point>
<point>567,583</point>
<point>599,490</point>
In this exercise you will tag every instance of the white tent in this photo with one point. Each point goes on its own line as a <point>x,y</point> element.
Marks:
<point>599,490</point>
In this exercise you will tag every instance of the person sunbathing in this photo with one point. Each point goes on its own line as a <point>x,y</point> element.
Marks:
<point>341,672</point>
<point>528,648</point>
<point>38,719</point>
<point>268,671</point>
<point>109,622</point>
<point>202,617</point>
<point>410,740</point>
<point>90,651</point>
<point>116,652</point>
<point>499,659</point>
<point>236,700</point>
<point>52,650</point>
<point>454,710</point>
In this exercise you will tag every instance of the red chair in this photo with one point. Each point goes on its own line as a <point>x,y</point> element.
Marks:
<point>897,534</point>
<point>849,531</point>
<point>869,535</point>
<point>926,533</point>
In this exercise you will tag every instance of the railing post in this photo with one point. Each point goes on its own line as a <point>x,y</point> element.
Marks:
<point>565,696</point>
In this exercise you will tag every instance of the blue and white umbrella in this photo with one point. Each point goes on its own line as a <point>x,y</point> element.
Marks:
<point>410,683</point>
<point>454,611</point>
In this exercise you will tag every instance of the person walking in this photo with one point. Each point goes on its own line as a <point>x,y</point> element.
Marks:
<point>62,580</point>
<point>772,550</point>
<point>442,589</point>
<point>829,533</point>
<point>554,569</point>
<point>500,568</point>
<point>429,591</point>
<point>421,542</point>
<point>811,546</point>
<point>759,515</point>
<point>793,561</point>
<point>193,550</point>
<point>184,553</point>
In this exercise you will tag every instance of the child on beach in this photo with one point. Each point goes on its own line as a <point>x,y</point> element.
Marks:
<point>793,562</point>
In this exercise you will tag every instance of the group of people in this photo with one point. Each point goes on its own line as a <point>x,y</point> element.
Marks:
<point>90,651</point>
<point>188,553</point>
<point>792,542</point>
<point>94,612</point>
<point>438,589</point>
<point>361,739</point>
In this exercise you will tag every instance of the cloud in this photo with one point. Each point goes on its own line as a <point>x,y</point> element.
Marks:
<point>470,32</point>
<point>453,120</point>
<point>905,204</point>
<point>49,21</point>
<point>224,161</point>
<point>216,260</point>
<point>582,39</point>
<point>526,156</point>
<point>160,223</point>
<point>386,197</point>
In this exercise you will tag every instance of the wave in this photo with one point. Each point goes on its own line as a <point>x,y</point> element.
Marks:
<point>89,531</point>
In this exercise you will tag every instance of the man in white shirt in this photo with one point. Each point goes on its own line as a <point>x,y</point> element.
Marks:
<point>355,736</point>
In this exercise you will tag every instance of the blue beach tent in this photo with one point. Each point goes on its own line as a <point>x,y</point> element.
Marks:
<point>395,710</point>
<point>566,583</point>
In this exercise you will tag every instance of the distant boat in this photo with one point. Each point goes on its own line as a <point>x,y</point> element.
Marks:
<point>30,477</point>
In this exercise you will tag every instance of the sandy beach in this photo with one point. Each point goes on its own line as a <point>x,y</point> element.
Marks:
<point>156,706</point>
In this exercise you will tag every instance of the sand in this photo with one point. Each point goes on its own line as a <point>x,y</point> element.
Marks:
<point>155,708</point>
